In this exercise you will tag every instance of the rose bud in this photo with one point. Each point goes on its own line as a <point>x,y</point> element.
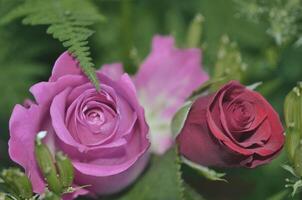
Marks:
<point>231,128</point>
<point>104,133</point>
<point>293,121</point>
<point>298,161</point>
<point>65,169</point>
<point>46,164</point>
<point>4,196</point>
<point>293,108</point>
<point>17,183</point>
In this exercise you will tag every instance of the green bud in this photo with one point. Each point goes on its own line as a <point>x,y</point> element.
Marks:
<point>229,64</point>
<point>65,169</point>
<point>50,196</point>
<point>4,196</point>
<point>293,109</point>
<point>298,161</point>
<point>17,183</point>
<point>195,31</point>
<point>291,143</point>
<point>46,164</point>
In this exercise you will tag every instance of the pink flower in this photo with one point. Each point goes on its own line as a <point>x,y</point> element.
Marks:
<point>164,81</point>
<point>105,133</point>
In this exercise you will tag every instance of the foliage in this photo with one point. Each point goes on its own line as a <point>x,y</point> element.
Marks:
<point>283,17</point>
<point>293,123</point>
<point>68,21</point>
<point>16,62</point>
<point>162,180</point>
<point>164,170</point>
<point>58,174</point>
<point>205,171</point>
<point>229,64</point>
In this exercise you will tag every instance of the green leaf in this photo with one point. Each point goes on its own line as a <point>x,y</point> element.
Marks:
<point>296,187</point>
<point>205,171</point>
<point>67,21</point>
<point>191,194</point>
<point>279,196</point>
<point>290,169</point>
<point>179,118</point>
<point>254,86</point>
<point>161,181</point>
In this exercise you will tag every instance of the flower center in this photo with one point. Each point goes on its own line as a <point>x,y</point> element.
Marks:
<point>240,116</point>
<point>95,117</point>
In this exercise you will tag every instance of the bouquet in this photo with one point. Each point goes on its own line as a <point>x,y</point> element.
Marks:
<point>157,127</point>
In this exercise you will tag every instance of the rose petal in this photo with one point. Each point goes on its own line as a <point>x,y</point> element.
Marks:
<point>112,184</point>
<point>24,125</point>
<point>214,121</point>
<point>260,111</point>
<point>277,138</point>
<point>65,65</point>
<point>44,92</point>
<point>57,113</point>
<point>80,130</point>
<point>252,137</point>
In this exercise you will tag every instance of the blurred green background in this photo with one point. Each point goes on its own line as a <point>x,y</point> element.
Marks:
<point>27,55</point>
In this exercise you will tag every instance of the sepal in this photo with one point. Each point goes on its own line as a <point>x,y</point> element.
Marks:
<point>205,171</point>
<point>46,164</point>
<point>179,119</point>
<point>16,183</point>
<point>65,169</point>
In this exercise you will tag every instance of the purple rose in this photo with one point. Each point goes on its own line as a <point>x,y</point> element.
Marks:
<point>104,133</point>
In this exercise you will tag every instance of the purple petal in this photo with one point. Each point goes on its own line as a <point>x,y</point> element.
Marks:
<point>57,113</point>
<point>24,124</point>
<point>64,65</point>
<point>111,184</point>
<point>44,92</point>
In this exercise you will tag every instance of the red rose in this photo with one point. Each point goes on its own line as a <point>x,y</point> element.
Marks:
<point>233,127</point>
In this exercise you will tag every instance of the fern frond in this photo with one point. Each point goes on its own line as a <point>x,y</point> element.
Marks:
<point>67,21</point>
